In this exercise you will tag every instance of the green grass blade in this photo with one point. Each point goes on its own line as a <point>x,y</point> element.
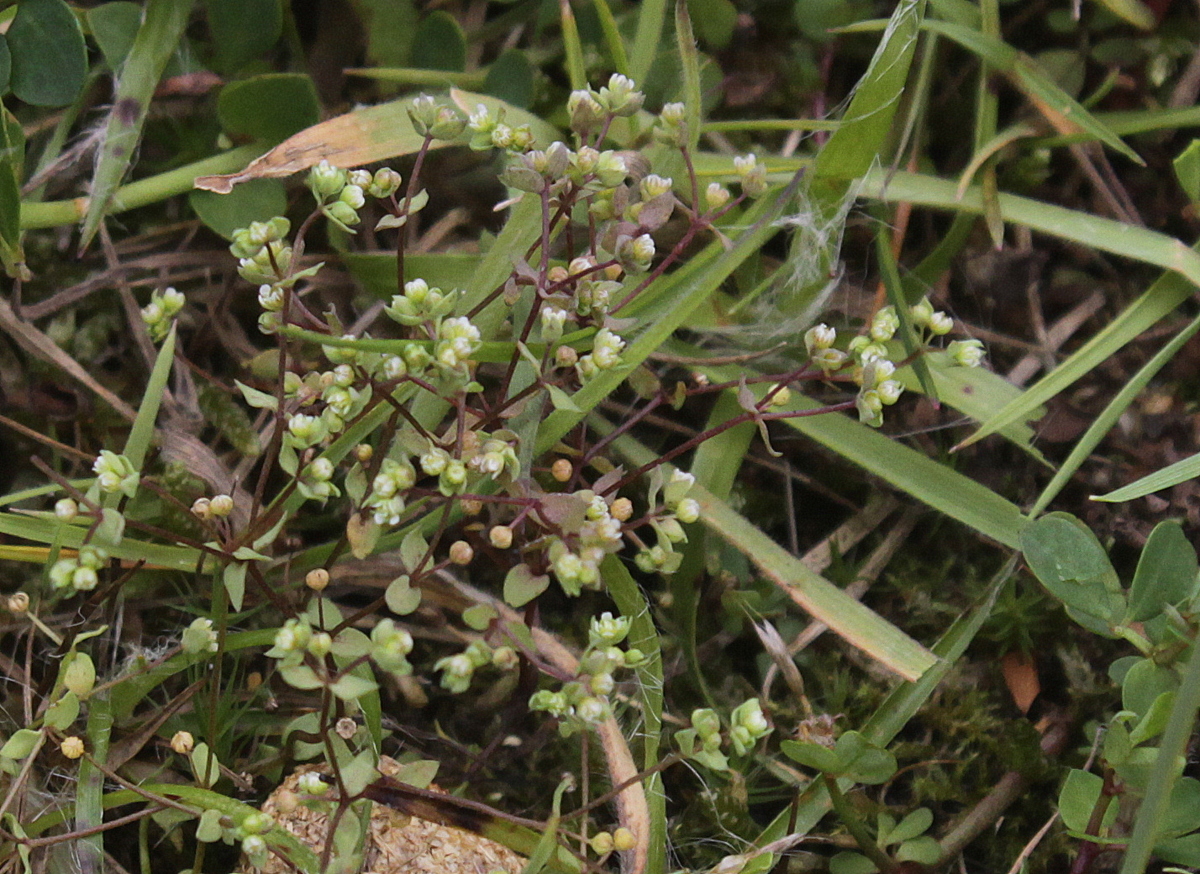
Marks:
<point>846,617</point>
<point>152,189</point>
<point>142,431</point>
<point>1108,418</point>
<point>612,37</point>
<point>1058,107</point>
<point>689,57</point>
<point>651,17</point>
<point>163,22</point>
<point>43,530</point>
<point>1171,475</point>
<point>642,634</point>
<point>860,140</point>
<point>934,484</point>
<point>573,47</point>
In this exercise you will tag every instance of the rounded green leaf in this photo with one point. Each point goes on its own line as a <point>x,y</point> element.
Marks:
<point>270,107</point>
<point>49,57</point>
<point>114,26</point>
<point>1078,798</point>
<point>1166,573</point>
<point>521,585</point>
<point>243,30</point>
<point>511,79</point>
<point>440,44</point>
<point>401,597</point>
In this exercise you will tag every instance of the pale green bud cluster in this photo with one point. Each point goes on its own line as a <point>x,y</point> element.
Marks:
<point>819,340</point>
<point>966,353</point>
<point>340,194</point>
<point>589,109</point>
<point>702,742</point>
<point>748,725</point>
<point>925,317</point>
<point>751,174</point>
<point>160,312</point>
<point>437,120</point>
<point>386,501</point>
<point>420,304</point>
<point>605,355</point>
<point>79,574</point>
<point>316,480</point>
<point>458,670</point>
<point>458,339</point>
<point>677,510</point>
<point>634,253</point>
<point>390,647</point>
<point>584,702</point>
<point>115,473</point>
<point>672,125</point>
<point>199,637</point>
<point>575,557</point>
<point>489,131</point>
<point>263,256</point>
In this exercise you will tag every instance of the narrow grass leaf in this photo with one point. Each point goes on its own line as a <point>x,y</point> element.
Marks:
<point>689,57</point>
<point>41,530</point>
<point>1108,418</point>
<point>12,171</point>
<point>612,37</point>
<point>934,484</point>
<point>860,139</point>
<point>652,15</point>
<point>1171,475</point>
<point>572,46</point>
<point>1063,112</point>
<point>644,636</point>
<point>846,617</point>
<point>142,432</point>
<point>163,23</point>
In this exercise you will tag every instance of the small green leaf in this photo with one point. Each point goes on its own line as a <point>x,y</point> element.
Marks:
<point>714,21</point>
<point>205,767</point>
<point>208,830</point>
<point>1069,561</point>
<point>812,756</point>
<point>440,43</point>
<point>270,107</point>
<point>253,201</point>
<point>863,761</point>
<point>1166,573</point>
<point>847,862</point>
<point>301,677</point>
<point>349,687</point>
<point>1078,798</point>
<point>79,673</point>
<point>5,64</point>
<point>913,825</point>
<point>20,744</point>
<point>1145,682</point>
<point>521,585</point>
<point>49,56</point>
<point>925,850</point>
<point>401,597</point>
<point>63,712</point>
<point>413,550</point>
<point>479,617</point>
<point>12,170</point>
<point>419,773</point>
<point>258,399</point>
<point>233,577</point>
